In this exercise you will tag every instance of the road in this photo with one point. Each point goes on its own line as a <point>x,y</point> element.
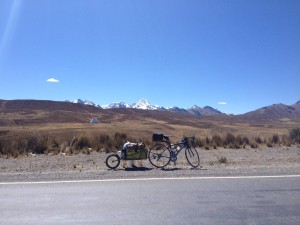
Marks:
<point>238,200</point>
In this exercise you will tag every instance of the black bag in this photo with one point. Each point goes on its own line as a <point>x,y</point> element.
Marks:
<point>157,137</point>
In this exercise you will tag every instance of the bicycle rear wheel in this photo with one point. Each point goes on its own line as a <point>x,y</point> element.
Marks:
<point>192,157</point>
<point>159,155</point>
<point>113,161</point>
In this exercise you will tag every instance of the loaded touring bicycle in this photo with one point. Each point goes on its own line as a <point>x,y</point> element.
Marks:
<point>160,154</point>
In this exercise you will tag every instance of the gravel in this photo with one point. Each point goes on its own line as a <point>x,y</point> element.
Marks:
<point>248,162</point>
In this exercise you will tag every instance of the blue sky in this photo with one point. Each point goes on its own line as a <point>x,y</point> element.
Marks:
<point>245,53</point>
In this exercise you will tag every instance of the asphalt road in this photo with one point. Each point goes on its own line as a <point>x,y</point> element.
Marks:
<point>251,200</point>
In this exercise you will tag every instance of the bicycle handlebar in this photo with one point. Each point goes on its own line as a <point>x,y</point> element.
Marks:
<point>166,139</point>
<point>185,140</point>
<point>191,137</point>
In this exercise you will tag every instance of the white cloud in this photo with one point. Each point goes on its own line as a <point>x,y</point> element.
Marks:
<point>52,80</point>
<point>222,103</point>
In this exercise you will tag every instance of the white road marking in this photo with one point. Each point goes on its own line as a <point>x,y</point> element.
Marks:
<point>146,179</point>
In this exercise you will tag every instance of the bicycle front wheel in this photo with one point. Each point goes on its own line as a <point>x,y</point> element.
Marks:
<point>112,161</point>
<point>192,157</point>
<point>159,155</point>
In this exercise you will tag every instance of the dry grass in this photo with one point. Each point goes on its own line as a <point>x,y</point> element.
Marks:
<point>97,140</point>
<point>230,140</point>
<point>62,130</point>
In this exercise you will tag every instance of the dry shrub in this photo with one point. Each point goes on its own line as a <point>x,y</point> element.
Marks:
<point>229,139</point>
<point>206,147</point>
<point>253,145</point>
<point>275,139</point>
<point>286,140</point>
<point>272,141</point>
<point>120,139</point>
<point>81,143</point>
<point>53,151</point>
<point>241,141</point>
<point>198,142</point>
<point>269,144</point>
<point>207,140</point>
<point>246,140</point>
<point>102,142</point>
<point>294,135</point>
<point>37,143</point>
<point>222,159</point>
<point>217,141</point>
<point>54,143</point>
<point>258,140</point>
<point>34,143</point>
<point>41,143</point>
<point>5,147</point>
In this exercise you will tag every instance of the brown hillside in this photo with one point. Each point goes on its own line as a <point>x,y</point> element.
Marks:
<point>273,112</point>
<point>28,112</point>
<point>63,119</point>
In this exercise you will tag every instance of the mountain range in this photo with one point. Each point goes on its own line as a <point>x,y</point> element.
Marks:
<point>145,105</point>
<point>29,112</point>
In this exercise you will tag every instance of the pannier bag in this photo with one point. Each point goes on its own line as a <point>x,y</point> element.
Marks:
<point>134,151</point>
<point>157,137</point>
<point>160,137</point>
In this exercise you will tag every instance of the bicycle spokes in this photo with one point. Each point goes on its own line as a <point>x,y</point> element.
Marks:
<point>159,155</point>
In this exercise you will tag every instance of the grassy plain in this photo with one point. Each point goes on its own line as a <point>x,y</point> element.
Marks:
<point>59,136</point>
<point>43,126</point>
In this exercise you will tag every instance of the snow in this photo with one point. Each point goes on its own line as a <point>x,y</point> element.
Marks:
<point>85,102</point>
<point>144,104</point>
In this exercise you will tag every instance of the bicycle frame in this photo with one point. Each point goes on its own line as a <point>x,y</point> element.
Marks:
<point>176,148</point>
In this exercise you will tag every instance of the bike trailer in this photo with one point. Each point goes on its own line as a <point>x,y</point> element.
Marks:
<point>134,151</point>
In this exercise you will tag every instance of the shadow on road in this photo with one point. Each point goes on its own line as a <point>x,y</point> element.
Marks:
<point>171,169</point>
<point>199,168</point>
<point>137,168</point>
<point>176,168</point>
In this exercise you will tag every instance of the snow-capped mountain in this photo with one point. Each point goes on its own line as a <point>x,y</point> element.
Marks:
<point>205,111</point>
<point>146,105</point>
<point>83,102</point>
<point>141,104</point>
<point>195,110</point>
<point>116,105</point>
<point>176,109</point>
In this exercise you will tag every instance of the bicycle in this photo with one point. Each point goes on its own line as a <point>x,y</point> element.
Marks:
<point>160,155</point>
